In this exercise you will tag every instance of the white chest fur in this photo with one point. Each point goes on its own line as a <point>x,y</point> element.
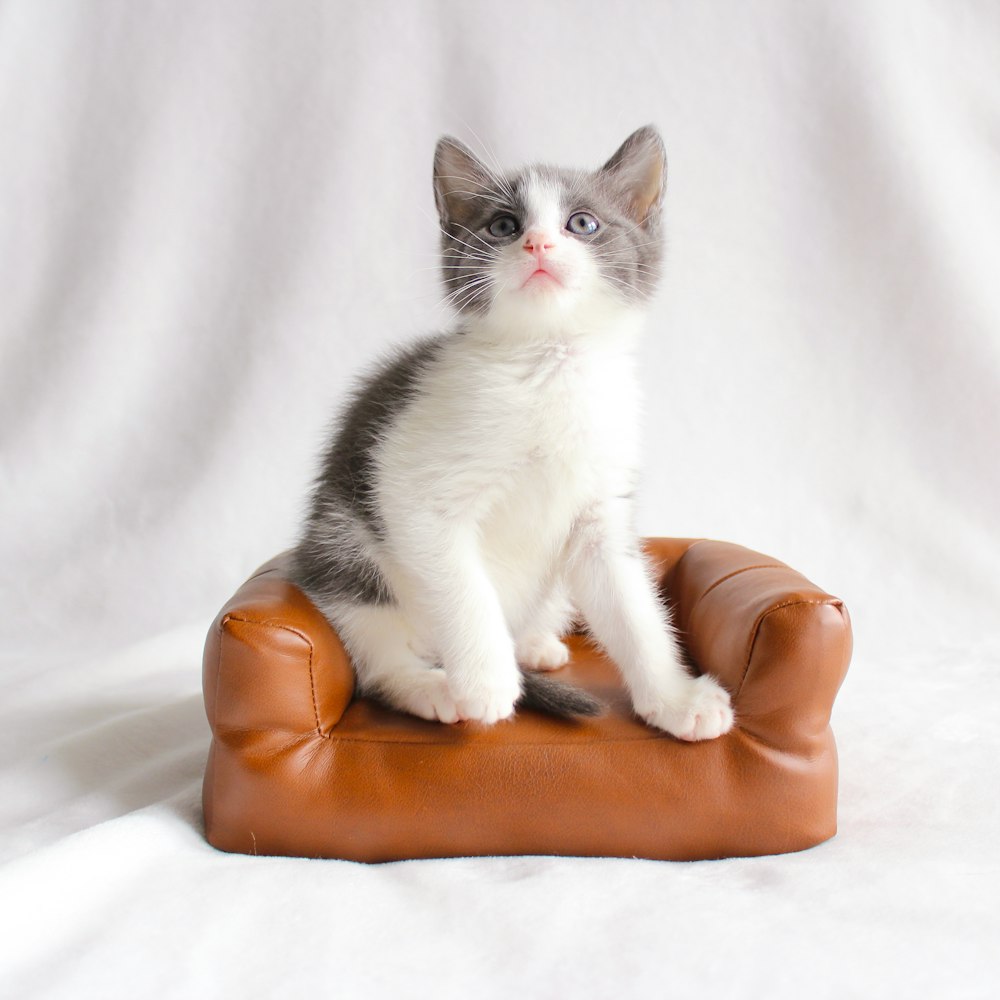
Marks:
<point>489,414</point>
<point>515,442</point>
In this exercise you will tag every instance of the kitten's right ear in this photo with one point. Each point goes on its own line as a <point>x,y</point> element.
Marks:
<point>458,177</point>
<point>639,170</point>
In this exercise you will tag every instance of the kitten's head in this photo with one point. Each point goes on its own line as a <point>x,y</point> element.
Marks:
<point>546,243</point>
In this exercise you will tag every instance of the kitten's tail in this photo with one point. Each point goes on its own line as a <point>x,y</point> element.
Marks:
<point>544,694</point>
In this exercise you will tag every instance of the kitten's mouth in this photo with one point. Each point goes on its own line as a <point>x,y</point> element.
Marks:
<point>540,277</point>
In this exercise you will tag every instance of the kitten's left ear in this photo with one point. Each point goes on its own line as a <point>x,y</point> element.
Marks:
<point>639,170</point>
<point>458,174</point>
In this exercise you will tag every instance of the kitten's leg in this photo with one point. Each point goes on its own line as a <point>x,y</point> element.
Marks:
<point>538,646</point>
<point>392,663</point>
<point>449,588</point>
<point>612,587</point>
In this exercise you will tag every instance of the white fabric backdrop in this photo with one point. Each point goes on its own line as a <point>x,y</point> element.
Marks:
<point>213,215</point>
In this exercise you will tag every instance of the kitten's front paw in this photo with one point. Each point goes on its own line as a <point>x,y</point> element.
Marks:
<point>430,698</point>
<point>698,708</point>
<point>542,652</point>
<point>486,699</point>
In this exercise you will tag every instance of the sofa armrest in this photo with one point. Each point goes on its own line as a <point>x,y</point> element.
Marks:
<point>778,643</point>
<point>302,683</point>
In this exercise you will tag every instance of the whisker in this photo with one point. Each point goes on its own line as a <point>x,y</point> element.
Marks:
<point>621,254</point>
<point>476,280</point>
<point>635,266</point>
<point>502,288</point>
<point>484,148</point>
<point>632,246</point>
<point>492,248</point>
<point>622,236</point>
<point>621,283</point>
<point>493,252</point>
<point>460,301</point>
<point>503,193</point>
<point>454,261</point>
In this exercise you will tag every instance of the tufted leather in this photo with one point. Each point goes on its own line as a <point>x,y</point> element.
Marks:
<point>300,767</point>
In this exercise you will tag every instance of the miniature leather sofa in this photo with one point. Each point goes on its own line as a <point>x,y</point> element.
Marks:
<point>300,766</point>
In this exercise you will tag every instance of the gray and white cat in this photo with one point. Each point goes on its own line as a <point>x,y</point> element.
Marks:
<point>479,491</point>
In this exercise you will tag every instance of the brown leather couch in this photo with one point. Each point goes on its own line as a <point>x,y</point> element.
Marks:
<point>299,766</point>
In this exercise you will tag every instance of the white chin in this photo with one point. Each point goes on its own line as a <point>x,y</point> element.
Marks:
<point>545,299</point>
<point>537,289</point>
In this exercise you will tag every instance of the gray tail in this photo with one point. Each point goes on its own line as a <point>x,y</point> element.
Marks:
<point>544,694</point>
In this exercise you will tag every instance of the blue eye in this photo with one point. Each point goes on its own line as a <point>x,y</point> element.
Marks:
<point>503,226</point>
<point>583,224</point>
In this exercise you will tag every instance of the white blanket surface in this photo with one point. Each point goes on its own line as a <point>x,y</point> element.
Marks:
<point>213,216</point>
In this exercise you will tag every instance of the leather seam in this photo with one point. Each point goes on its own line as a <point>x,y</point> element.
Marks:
<point>333,737</point>
<point>305,638</point>
<point>213,753</point>
<point>218,669</point>
<point>755,631</point>
<point>722,579</point>
<point>312,687</point>
<point>468,747</point>
<point>736,572</point>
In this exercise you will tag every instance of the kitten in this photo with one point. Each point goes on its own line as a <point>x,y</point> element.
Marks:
<point>479,490</point>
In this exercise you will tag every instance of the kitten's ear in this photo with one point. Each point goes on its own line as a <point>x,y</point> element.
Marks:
<point>458,175</point>
<point>639,170</point>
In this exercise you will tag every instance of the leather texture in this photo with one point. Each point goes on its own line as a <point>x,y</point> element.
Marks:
<point>298,766</point>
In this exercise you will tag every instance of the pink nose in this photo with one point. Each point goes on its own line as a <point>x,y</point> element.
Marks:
<point>539,243</point>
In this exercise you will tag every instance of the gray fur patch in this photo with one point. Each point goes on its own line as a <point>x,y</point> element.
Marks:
<point>332,564</point>
<point>333,559</point>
